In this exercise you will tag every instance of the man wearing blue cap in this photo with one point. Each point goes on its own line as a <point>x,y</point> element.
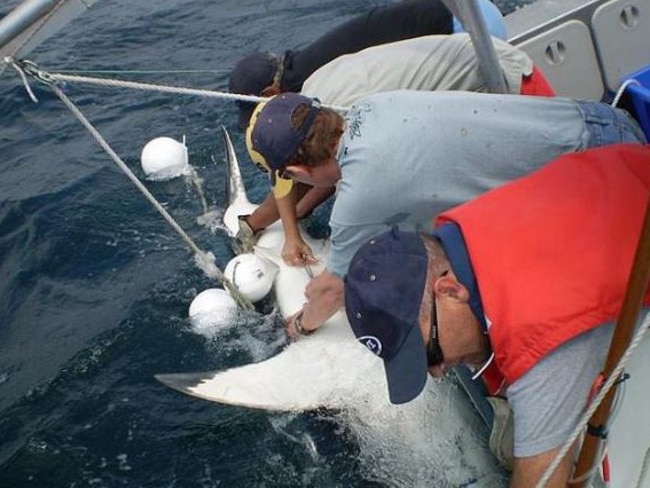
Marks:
<point>525,280</point>
<point>403,157</point>
<point>267,74</point>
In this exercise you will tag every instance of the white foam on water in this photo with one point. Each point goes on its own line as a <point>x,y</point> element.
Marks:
<point>435,440</point>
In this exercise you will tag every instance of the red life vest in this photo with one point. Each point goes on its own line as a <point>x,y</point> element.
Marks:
<point>536,84</point>
<point>552,252</point>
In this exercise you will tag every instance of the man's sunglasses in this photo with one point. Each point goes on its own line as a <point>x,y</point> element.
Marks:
<point>434,352</point>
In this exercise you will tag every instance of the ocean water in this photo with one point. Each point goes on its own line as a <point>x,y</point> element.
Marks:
<point>95,286</point>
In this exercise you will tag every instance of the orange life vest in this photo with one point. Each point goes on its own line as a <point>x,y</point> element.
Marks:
<point>552,252</point>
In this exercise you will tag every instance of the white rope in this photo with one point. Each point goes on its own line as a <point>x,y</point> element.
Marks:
<point>621,90</point>
<point>478,374</point>
<point>164,88</point>
<point>584,420</point>
<point>23,77</point>
<point>143,71</point>
<point>205,260</point>
<point>153,87</point>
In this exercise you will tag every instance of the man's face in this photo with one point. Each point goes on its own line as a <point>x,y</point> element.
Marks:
<point>430,331</point>
<point>324,174</point>
<point>451,333</point>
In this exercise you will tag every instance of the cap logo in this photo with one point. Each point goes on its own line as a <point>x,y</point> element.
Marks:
<point>372,343</point>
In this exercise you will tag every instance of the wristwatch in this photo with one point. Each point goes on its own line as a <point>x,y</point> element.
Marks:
<point>297,323</point>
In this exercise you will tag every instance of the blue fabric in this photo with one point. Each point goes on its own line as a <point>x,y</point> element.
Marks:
<point>383,295</point>
<point>455,145</point>
<point>451,238</point>
<point>477,393</point>
<point>273,135</point>
<point>607,125</point>
<point>446,148</point>
<point>493,19</point>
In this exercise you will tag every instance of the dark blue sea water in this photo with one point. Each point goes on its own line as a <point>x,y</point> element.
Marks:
<point>95,287</point>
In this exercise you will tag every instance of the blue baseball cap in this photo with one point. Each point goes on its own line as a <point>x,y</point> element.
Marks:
<point>251,76</point>
<point>384,287</point>
<point>272,140</point>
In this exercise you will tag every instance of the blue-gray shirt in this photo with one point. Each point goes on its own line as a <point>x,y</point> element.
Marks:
<point>408,155</point>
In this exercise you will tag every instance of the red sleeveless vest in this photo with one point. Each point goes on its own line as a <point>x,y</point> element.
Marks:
<point>552,252</point>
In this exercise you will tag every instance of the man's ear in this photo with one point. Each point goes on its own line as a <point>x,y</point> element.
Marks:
<point>297,172</point>
<point>448,286</point>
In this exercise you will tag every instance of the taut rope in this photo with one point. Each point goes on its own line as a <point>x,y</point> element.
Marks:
<point>204,260</point>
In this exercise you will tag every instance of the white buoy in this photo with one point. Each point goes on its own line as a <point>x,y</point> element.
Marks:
<point>164,158</point>
<point>252,275</point>
<point>212,309</point>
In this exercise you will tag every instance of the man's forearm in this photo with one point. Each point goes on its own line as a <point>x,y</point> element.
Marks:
<point>324,298</point>
<point>311,199</point>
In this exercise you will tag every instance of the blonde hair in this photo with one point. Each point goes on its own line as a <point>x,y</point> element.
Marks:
<point>321,141</point>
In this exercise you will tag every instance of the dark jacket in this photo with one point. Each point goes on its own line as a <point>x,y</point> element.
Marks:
<point>395,22</point>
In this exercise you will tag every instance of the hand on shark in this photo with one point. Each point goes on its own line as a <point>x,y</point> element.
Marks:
<point>324,298</point>
<point>296,252</point>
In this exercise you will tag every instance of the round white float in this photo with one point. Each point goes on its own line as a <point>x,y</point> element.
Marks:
<point>212,308</point>
<point>252,275</point>
<point>164,158</point>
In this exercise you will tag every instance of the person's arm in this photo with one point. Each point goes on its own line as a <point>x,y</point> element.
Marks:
<point>295,251</point>
<point>264,215</point>
<point>529,470</point>
<point>314,197</point>
<point>548,401</point>
<point>324,298</point>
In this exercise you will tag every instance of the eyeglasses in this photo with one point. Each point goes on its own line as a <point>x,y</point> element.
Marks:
<point>435,356</point>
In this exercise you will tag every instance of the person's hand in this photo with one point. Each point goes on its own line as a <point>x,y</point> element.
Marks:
<point>325,297</point>
<point>297,253</point>
<point>325,283</point>
<point>293,330</point>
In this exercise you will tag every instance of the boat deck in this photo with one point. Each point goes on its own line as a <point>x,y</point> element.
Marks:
<point>585,49</point>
